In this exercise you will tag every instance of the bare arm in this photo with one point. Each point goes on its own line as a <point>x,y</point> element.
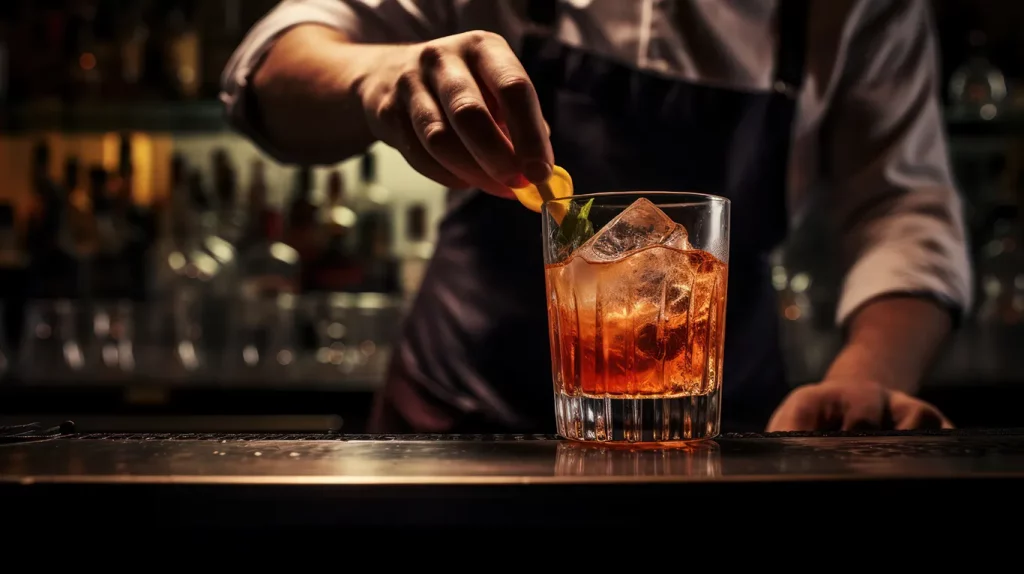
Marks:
<point>892,342</point>
<point>899,217</point>
<point>306,94</point>
<point>461,109</point>
<point>896,203</point>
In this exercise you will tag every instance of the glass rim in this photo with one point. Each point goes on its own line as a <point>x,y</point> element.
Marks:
<point>700,197</point>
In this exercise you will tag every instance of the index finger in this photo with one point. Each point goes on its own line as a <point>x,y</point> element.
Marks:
<point>498,68</point>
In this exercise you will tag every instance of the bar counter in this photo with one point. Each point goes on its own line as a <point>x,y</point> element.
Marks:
<point>265,482</point>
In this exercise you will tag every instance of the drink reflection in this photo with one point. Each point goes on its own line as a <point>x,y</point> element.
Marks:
<point>697,460</point>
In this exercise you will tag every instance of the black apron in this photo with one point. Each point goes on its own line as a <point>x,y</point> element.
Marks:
<point>474,354</point>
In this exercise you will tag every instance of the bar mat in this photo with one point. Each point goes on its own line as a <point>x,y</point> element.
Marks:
<point>32,432</point>
<point>512,437</point>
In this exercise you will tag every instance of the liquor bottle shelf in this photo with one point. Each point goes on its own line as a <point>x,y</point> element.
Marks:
<point>170,117</point>
<point>208,116</point>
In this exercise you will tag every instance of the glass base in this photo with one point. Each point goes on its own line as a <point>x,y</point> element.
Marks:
<point>632,420</point>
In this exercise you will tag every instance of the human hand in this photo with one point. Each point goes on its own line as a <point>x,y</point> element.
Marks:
<point>462,111</point>
<point>854,405</point>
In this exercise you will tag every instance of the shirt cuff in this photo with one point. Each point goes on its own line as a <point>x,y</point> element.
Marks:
<point>888,272</point>
<point>240,104</point>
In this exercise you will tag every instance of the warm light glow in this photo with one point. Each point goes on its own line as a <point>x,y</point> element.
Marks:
<point>111,146</point>
<point>142,163</point>
<point>87,61</point>
<point>793,312</point>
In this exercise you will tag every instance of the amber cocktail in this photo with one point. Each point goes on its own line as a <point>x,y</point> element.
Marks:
<point>636,288</point>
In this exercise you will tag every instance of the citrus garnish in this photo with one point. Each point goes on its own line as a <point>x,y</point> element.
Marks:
<point>558,186</point>
<point>574,227</point>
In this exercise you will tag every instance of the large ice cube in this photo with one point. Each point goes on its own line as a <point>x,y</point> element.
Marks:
<point>640,225</point>
<point>679,238</point>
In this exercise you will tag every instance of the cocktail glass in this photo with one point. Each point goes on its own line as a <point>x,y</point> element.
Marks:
<point>636,286</point>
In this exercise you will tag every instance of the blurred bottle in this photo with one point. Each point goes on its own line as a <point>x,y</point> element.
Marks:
<point>12,255</point>
<point>110,273</point>
<point>978,87</point>
<point>418,249</point>
<point>264,333</point>
<point>270,266</point>
<point>334,269</point>
<point>13,266</point>
<point>1001,271</point>
<point>220,261</point>
<point>334,211</point>
<point>132,37</point>
<point>79,239</point>
<point>49,34</point>
<point>182,53</point>
<point>136,222</point>
<point>46,199</point>
<point>44,227</point>
<point>375,243</point>
<point>86,54</point>
<point>167,258</point>
<point>302,220</point>
<point>231,219</point>
<point>257,206</point>
<point>208,287</point>
<point>221,31</point>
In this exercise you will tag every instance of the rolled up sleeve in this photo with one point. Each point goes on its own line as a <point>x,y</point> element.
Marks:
<point>368,21</point>
<point>894,199</point>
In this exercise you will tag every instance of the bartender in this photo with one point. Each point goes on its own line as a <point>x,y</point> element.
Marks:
<point>782,99</point>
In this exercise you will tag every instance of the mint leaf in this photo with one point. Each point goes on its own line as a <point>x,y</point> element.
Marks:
<point>585,210</point>
<point>576,228</point>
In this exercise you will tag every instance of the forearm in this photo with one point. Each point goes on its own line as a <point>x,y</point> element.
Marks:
<point>892,341</point>
<point>307,89</point>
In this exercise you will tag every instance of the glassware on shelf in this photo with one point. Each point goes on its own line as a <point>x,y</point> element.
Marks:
<point>51,349</point>
<point>266,349</point>
<point>978,88</point>
<point>354,334</point>
<point>1001,273</point>
<point>263,342</point>
<point>374,331</point>
<point>191,353</point>
<point>336,353</point>
<point>110,352</point>
<point>806,348</point>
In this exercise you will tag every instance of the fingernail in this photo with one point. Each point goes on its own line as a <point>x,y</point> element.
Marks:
<point>518,181</point>
<point>537,171</point>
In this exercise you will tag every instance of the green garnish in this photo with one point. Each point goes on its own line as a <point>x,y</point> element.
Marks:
<point>576,228</point>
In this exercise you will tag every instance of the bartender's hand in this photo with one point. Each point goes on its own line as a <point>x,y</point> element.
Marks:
<point>462,111</point>
<point>870,384</point>
<point>854,405</point>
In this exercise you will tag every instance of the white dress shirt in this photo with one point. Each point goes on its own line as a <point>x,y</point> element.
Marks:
<point>868,134</point>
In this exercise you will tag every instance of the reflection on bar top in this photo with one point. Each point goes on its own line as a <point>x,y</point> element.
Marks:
<point>498,460</point>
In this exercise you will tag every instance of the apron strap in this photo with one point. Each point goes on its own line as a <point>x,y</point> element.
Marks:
<point>791,53</point>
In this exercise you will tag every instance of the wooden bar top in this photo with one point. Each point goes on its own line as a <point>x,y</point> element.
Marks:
<point>240,480</point>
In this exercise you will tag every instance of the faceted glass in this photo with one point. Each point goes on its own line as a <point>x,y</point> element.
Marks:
<point>636,286</point>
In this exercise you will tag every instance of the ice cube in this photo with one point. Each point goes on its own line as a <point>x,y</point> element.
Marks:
<point>640,225</point>
<point>678,239</point>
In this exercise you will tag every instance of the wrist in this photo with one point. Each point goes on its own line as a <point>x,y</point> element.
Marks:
<point>308,105</point>
<point>860,363</point>
<point>374,72</point>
